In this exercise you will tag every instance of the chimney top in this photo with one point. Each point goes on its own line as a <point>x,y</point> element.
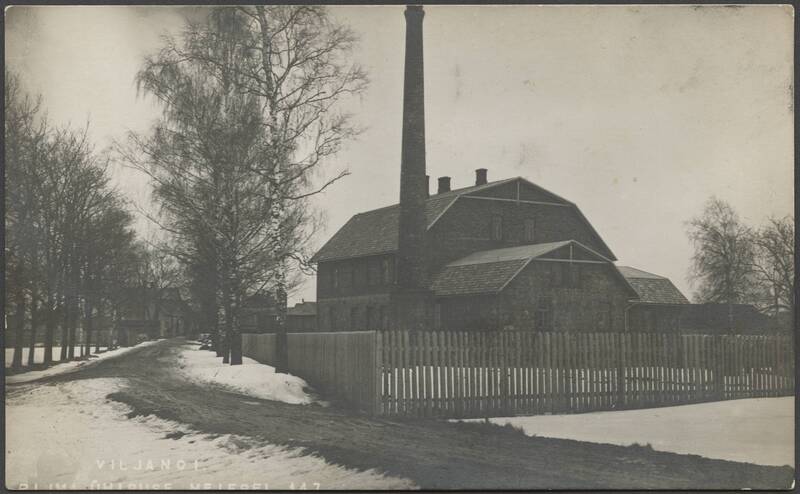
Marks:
<point>480,176</point>
<point>444,184</point>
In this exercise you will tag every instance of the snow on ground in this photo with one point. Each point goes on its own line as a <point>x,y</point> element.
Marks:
<point>69,436</point>
<point>757,431</point>
<point>251,378</point>
<point>38,354</point>
<point>73,365</point>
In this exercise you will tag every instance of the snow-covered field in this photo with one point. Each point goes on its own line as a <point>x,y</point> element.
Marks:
<point>38,354</point>
<point>73,365</point>
<point>757,431</point>
<point>69,436</point>
<point>251,378</point>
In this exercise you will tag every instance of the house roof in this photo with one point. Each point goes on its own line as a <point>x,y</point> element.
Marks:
<point>303,309</point>
<point>652,288</point>
<point>491,271</point>
<point>375,232</point>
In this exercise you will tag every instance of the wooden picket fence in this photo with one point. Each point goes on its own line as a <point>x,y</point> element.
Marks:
<point>486,374</point>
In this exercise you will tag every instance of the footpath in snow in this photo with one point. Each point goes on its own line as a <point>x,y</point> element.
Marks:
<point>251,378</point>
<point>759,431</point>
<point>73,365</point>
<point>70,436</point>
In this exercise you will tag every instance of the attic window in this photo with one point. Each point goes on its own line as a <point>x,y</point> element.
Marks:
<point>497,227</point>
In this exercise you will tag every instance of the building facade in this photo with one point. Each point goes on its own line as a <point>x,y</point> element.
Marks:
<point>494,255</point>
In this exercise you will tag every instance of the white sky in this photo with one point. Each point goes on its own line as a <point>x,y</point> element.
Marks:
<point>636,113</point>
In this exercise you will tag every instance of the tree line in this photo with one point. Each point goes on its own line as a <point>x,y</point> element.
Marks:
<point>248,99</point>
<point>735,263</point>
<point>70,248</point>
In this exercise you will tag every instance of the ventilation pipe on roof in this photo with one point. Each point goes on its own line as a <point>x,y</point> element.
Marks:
<point>480,176</point>
<point>444,184</point>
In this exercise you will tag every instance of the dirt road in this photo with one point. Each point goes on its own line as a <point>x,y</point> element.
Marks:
<point>434,454</point>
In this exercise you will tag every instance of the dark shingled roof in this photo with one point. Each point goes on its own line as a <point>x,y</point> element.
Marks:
<point>652,288</point>
<point>303,309</point>
<point>473,279</point>
<point>376,232</point>
<point>490,271</point>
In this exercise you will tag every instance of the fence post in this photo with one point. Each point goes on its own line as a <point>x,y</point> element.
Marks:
<point>378,374</point>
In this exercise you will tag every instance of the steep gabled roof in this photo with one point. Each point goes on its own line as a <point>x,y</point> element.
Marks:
<point>652,288</point>
<point>376,232</point>
<point>490,271</point>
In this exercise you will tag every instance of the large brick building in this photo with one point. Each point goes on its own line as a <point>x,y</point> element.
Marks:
<point>494,255</point>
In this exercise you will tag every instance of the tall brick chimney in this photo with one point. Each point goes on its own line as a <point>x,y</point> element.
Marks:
<point>413,181</point>
<point>480,176</point>
<point>444,185</point>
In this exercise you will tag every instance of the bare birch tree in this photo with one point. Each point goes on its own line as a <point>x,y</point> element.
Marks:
<point>249,100</point>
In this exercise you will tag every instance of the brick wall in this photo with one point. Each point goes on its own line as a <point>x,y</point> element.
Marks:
<point>357,276</point>
<point>594,300</point>
<point>355,313</point>
<point>467,228</point>
<point>542,297</point>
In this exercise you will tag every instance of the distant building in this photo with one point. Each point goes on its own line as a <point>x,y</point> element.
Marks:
<point>302,317</point>
<point>258,314</point>
<point>725,319</point>
<point>152,313</point>
<point>658,305</point>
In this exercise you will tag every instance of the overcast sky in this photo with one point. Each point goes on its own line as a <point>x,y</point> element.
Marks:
<point>636,113</point>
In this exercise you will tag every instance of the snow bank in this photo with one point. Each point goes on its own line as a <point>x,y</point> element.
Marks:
<point>251,378</point>
<point>757,431</point>
<point>73,365</point>
<point>69,436</point>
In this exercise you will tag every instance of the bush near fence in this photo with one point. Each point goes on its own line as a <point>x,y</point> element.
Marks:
<point>484,374</point>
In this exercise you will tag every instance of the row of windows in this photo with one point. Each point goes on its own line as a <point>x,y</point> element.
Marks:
<point>529,225</point>
<point>372,272</point>
<point>364,318</point>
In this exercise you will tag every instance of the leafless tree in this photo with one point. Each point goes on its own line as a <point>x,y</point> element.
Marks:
<point>722,265</point>
<point>774,264</point>
<point>60,216</point>
<point>249,98</point>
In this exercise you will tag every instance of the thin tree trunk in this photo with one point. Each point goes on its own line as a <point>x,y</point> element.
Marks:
<point>20,333</point>
<point>76,311</point>
<point>236,336</point>
<point>49,330</point>
<point>34,324</point>
<point>281,340</point>
<point>226,350</point>
<point>99,329</point>
<point>65,329</point>
<point>71,334</point>
<point>89,326</point>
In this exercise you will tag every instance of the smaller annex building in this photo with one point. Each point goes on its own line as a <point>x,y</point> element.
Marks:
<point>659,305</point>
